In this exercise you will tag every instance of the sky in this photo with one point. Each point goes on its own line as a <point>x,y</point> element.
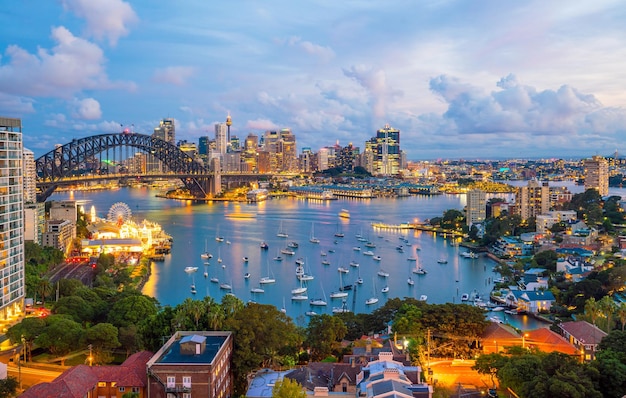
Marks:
<point>459,79</point>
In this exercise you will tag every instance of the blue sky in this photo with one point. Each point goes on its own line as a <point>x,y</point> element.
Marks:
<point>460,79</point>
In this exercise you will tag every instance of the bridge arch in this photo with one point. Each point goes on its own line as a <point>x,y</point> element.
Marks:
<point>62,161</point>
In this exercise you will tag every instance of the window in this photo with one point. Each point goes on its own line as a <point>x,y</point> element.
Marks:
<point>171,381</point>
<point>187,381</point>
<point>136,390</point>
<point>122,389</point>
<point>102,384</point>
<point>186,395</point>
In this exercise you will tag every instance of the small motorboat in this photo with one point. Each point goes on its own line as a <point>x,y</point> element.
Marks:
<point>385,289</point>
<point>246,275</point>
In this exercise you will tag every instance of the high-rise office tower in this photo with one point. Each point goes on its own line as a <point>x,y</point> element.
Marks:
<point>476,207</point>
<point>166,131</point>
<point>203,145</point>
<point>387,155</point>
<point>221,137</point>
<point>11,219</point>
<point>533,199</point>
<point>597,175</point>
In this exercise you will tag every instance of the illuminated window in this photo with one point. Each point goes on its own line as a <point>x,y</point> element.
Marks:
<point>102,384</point>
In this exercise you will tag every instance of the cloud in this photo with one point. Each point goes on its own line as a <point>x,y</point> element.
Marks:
<point>517,108</point>
<point>74,64</point>
<point>261,124</point>
<point>87,109</point>
<point>106,19</point>
<point>324,54</point>
<point>176,75</point>
<point>13,105</point>
<point>374,81</point>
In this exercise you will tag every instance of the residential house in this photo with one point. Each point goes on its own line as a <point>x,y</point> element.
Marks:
<point>388,378</point>
<point>584,336</point>
<point>97,381</point>
<point>531,301</point>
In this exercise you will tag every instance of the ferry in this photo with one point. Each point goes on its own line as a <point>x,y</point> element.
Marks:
<point>344,213</point>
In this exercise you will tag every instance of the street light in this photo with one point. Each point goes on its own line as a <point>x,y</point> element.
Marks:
<point>524,340</point>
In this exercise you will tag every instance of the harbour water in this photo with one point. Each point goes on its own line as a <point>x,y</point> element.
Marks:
<point>243,226</point>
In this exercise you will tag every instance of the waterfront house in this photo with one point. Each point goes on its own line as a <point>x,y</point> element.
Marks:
<point>498,336</point>
<point>530,301</point>
<point>546,340</point>
<point>584,336</point>
<point>97,381</point>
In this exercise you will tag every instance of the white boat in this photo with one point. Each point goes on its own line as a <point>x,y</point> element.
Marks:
<point>343,270</point>
<point>325,262</point>
<point>339,293</point>
<point>465,297</point>
<point>323,253</point>
<point>313,239</point>
<point>300,261</point>
<point>190,270</point>
<point>371,300</point>
<point>218,237</point>
<point>299,271</point>
<point>278,257</point>
<point>370,244</point>
<point>411,259</point>
<point>319,302</point>
<point>245,259</point>
<point>206,274</point>
<point>246,275</point>
<point>511,312</point>
<point>442,261</point>
<point>293,245</point>
<point>385,289</point>
<point>344,213</point>
<point>287,251</point>
<point>469,254</point>
<point>423,297</point>
<point>264,246</point>
<point>193,289</point>
<point>338,233</point>
<point>299,290</point>
<point>206,255</point>
<point>226,286</point>
<point>410,281</point>
<point>310,313</point>
<point>306,277</point>
<point>219,256</point>
<point>354,263</point>
<point>383,274</point>
<point>495,319</point>
<point>283,310</point>
<point>368,253</point>
<point>299,297</point>
<point>377,258</point>
<point>359,280</point>
<point>340,310</point>
<point>281,233</point>
<point>357,248</point>
<point>497,309</point>
<point>257,290</point>
<point>420,271</point>
<point>214,280</point>
<point>267,279</point>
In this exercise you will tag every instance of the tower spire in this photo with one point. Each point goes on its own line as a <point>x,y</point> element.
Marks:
<point>229,123</point>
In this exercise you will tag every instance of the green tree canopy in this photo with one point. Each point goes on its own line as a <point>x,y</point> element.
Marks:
<point>324,334</point>
<point>61,335</point>
<point>287,388</point>
<point>131,310</point>
<point>103,338</point>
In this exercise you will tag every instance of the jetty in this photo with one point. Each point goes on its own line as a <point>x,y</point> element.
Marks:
<point>420,227</point>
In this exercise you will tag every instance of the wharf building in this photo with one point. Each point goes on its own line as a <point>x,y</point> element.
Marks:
<point>11,219</point>
<point>597,175</point>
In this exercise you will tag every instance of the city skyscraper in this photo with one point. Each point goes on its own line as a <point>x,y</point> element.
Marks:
<point>30,177</point>
<point>534,199</point>
<point>11,219</point>
<point>166,131</point>
<point>221,137</point>
<point>387,155</point>
<point>476,210</point>
<point>597,175</point>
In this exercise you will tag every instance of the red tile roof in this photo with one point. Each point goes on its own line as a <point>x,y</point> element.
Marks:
<point>548,341</point>
<point>583,331</point>
<point>79,380</point>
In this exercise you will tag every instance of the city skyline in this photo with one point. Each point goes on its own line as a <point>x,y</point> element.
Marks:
<point>459,80</point>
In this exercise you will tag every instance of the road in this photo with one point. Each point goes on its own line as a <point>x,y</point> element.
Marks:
<point>31,376</point>
<point>453,372</point>
<point>81,271</point>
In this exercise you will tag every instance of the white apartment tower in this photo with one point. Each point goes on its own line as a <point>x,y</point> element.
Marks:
<point>476,207</point>
<point>11,219</point>
<point>30,177</point>
<point>597,175</point>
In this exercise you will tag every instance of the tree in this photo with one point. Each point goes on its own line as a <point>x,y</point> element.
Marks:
<point>592,310</point>
<point>103,338</point>
<point>607,307</point>
<point>132,309</point>
<point>547,259</point>
<point>74,306</point>
<point>44,288</point>
<point>29,329</point>
<point>621,314</point>
<point>324,334</point>
<point>8,387</point>
<point>155,328</point>
<point>489,364</point>
<point>261,335</point>
<point>287,388</point>
<point>61,335</point>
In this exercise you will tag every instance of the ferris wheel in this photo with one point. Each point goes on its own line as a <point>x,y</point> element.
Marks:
<point>119,213</point>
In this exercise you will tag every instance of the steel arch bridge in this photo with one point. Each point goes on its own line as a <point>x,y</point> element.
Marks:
<point>59,163</point>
